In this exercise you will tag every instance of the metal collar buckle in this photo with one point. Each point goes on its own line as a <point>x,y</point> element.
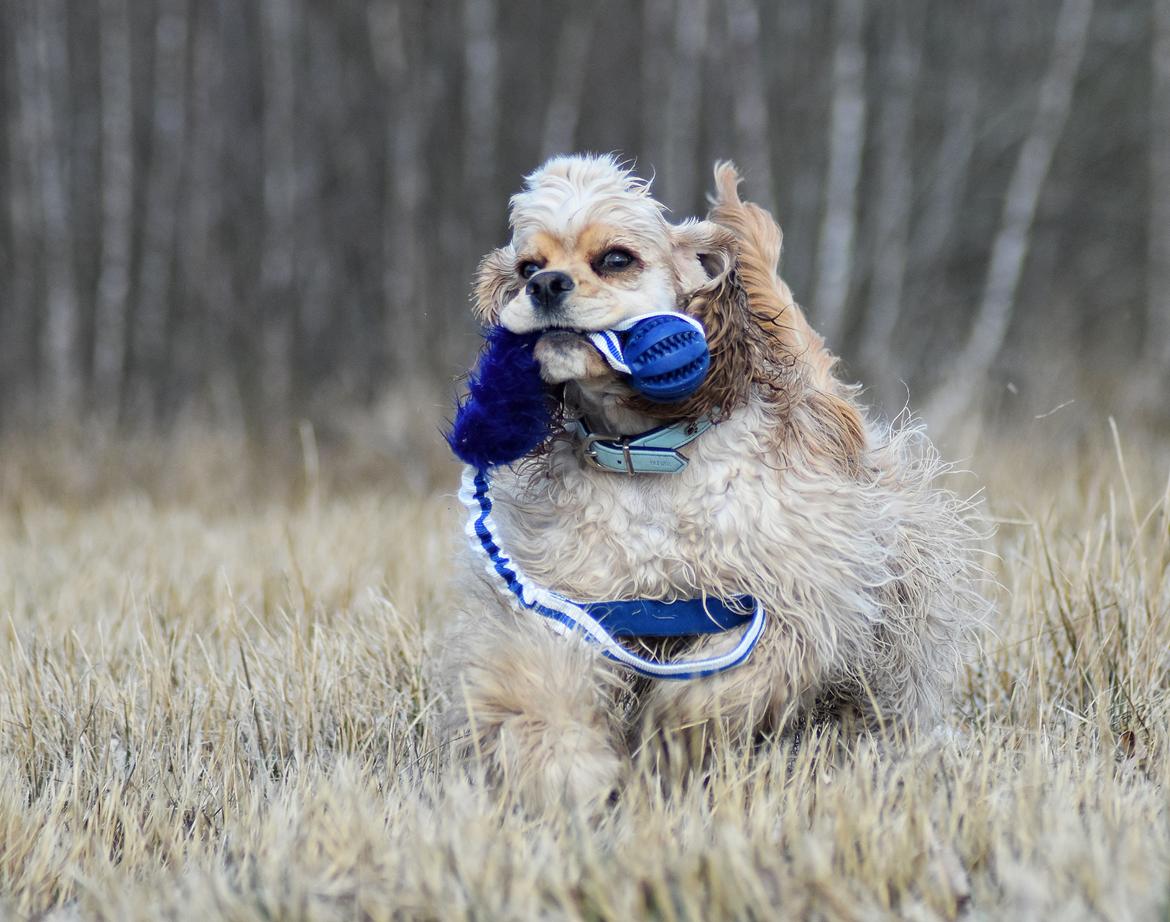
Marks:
<point>589,453</point>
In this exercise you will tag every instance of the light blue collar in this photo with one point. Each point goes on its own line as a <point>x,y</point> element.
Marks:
<point>652,452</point>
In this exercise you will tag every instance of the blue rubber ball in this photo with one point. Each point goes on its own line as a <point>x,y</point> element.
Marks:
<point>668,358</point>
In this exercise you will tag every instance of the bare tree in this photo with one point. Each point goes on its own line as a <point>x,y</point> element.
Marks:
<point>750,101</point>
<point>679,158</point>
<point>946,180</point>
<point>895,186</point>
<point>834,271</point>
<point>1158,278</point>
<point>413,91</point>
<point>800,156</point>
<point>572,63</point>
<point>43,73</point>
<point>970,368</point>
<point>24,205</point>
<point>117,186</point>
<point>278,253</point>
<point>167,147</point>
<point>481,91</point>
<point>656,42</point>
<point>204,258</point>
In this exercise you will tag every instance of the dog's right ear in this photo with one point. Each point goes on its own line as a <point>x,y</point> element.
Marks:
<point>496,283</point>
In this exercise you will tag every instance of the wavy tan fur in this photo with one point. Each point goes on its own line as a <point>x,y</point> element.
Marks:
<point>836,522</point>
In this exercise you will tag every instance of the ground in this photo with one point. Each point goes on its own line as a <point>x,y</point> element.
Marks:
<point>213,704</point>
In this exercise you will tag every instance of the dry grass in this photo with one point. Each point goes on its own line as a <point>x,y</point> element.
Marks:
<point>213,705</point>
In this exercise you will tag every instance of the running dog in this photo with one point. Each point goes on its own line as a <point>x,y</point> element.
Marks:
<point>833,522</point>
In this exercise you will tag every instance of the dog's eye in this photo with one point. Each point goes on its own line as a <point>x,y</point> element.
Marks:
<point>528,268</point>
<point>615,260</point>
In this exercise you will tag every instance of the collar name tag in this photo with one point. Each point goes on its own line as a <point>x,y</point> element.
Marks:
<point>652,452</point>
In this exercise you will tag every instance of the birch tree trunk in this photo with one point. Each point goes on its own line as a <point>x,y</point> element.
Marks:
<point>834,272</point>
<point>951,166</point>
<point>278,253</point>
<point>19,346</point>
<point>895,188</point>
<point>1158,271</point>
<point>406,183</point>
<point>801,160</point>
<point>481,57</point>
<point>654,75</point>
<point>993,318</point>
<point>679,158</point>
<point>209,287</point>
<point>752,123</point>
<point>117,203</point>
<point>12,381</point>
<point>572,64</point>
<point>167,147</point>
<point>59,335</point>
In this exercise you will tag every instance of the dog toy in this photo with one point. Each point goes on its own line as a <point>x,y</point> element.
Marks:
<point>508,411</point>
<point>664,355</point>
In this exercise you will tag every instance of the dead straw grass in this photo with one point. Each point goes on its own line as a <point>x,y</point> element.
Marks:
<point>213,705</point>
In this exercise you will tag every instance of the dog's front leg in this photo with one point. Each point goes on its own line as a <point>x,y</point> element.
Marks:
<point>534,710</point>
<point>773,686</point>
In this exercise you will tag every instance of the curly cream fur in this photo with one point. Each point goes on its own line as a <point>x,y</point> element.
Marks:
<point>837,523</point>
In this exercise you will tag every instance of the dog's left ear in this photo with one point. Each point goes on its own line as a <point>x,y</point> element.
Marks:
<point>495,284</point>
<point>704,255</point>
<point>703,251</point>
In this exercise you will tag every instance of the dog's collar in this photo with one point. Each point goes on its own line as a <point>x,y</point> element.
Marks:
<point>652,452</point>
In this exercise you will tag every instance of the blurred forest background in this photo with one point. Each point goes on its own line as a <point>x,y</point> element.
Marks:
<point>257,212</point>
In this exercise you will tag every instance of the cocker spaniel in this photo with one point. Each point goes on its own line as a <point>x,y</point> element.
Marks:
<point>832,523</point>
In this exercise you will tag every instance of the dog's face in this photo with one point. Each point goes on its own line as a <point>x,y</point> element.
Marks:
<point>587,274</point>
<point>590,247</point>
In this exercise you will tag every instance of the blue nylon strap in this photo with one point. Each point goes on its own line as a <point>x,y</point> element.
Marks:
<point>650,618</point>
<point>570,617</point>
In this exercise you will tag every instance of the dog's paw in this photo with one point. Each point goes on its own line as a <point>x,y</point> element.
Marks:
<point>581,771</point>
<point>565,356</point>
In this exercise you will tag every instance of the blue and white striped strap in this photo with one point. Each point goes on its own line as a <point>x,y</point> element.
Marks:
<point>607,343</point>
<point>569,617</point>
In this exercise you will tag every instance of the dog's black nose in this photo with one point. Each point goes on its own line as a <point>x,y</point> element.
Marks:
<point>548,289</point>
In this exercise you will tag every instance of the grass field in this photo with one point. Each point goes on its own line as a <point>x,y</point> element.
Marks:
<point>213,704</point>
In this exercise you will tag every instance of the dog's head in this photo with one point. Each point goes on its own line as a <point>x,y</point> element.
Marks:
<point>590,247</point>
